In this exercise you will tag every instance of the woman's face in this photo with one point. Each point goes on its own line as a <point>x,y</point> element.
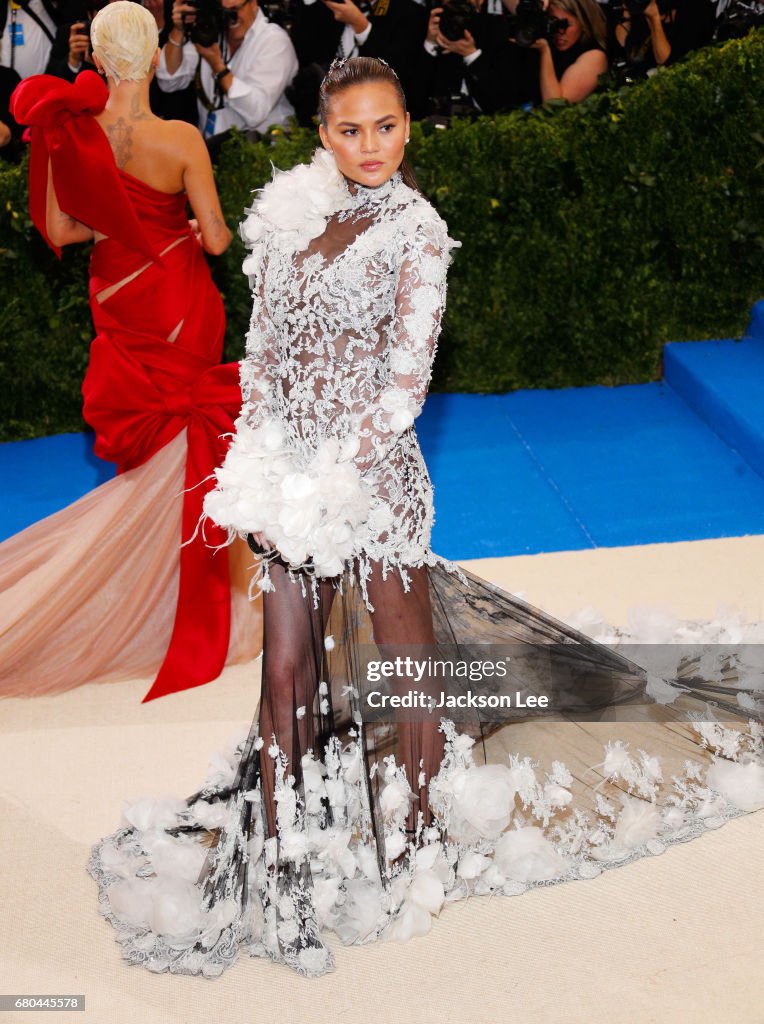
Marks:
<point>367,130</point>
<point>570,35</point>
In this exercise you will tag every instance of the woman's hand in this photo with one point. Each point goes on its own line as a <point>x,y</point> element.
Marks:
<point>262,542</point>
<point>182,14</point>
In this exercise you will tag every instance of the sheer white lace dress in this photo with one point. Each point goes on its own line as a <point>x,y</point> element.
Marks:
<point>322,817</point>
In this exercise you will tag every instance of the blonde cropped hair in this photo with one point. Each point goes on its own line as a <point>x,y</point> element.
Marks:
<point>125,38</point>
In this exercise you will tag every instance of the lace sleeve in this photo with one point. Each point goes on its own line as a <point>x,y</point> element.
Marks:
<point>419,304</point>
<point>256,370</point>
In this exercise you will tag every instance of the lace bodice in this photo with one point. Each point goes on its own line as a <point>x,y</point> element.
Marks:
<point>349,287</point>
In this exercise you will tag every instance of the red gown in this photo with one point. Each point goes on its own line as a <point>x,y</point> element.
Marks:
<point>104,589</point>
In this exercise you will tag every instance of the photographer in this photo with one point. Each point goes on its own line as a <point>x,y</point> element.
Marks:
<point>27,31</point>
<point>652,34</point>
<point>71,52</point>
<point>469,63</point>
<point>390,29</point>
<point>241,64</point>
<point>10,131</point>
<point>573,58</point>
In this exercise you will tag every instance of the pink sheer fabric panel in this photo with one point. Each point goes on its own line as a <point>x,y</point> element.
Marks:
<point>88,594</point>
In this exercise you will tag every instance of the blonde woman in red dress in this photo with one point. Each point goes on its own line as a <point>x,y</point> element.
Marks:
<point>103,590</point>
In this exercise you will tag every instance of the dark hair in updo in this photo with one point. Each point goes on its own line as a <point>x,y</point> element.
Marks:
<point>357,71</point>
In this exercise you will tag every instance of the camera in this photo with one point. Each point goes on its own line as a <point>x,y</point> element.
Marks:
<point>531,23</point>
<point>457,17</point>
<point>210,23</point>
<point>738,19</point>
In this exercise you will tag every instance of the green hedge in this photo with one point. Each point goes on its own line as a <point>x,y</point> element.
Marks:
<point>591,236</point>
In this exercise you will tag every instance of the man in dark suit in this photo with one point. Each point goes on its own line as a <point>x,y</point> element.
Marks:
<point>391,29</point>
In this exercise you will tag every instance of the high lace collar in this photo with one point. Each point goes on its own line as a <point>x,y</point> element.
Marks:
<point>370,195</point>
<point>298,203</point>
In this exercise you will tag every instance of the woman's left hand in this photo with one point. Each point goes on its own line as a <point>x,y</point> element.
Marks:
<point>540,44</point>
<point>464,46</point>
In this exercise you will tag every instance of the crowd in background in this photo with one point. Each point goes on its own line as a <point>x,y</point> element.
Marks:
<point>251,64</point>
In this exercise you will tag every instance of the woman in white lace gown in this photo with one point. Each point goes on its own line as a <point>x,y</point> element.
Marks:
<point>323,818</point>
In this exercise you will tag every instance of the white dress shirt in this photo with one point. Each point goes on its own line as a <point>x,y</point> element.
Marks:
<point>262,67</point>
<point>32,49</point>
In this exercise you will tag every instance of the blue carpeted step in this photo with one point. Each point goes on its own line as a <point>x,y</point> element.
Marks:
<point>722,383</point>
<point>756,326</point>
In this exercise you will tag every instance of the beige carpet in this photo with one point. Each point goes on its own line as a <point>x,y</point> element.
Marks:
<point>676,938</point>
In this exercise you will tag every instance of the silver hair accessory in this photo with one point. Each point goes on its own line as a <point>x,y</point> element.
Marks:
<point>340,62</point>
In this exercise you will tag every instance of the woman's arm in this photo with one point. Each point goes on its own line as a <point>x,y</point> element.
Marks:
<point>199,184</point>
<point>61,228</point>
<point>658,38</point>
<point>577,82</point>
<point>419,305</point>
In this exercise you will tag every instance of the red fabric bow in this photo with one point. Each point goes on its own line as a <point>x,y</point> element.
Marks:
<point>138,398</point>
<point>87,182</point>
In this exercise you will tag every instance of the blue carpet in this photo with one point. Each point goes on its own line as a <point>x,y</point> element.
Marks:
<point>514,474</point>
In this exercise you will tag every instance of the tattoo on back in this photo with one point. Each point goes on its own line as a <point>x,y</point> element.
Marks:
<point>121,138</point>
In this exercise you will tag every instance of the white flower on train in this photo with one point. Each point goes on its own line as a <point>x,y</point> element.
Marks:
<point>617,759</point>
<point>395,844</point>
<point>334,850</point>
<point>351,764</point>
<point>426,891</point>
<point>741,784</point>
<point>673,818</point>
<point>221,772</point>
<point>411,921</point>
<point>131,900</point>
<point>294,845</point>
<point>210,814</point>
<point>526,855</point>
<point>361,911</point>
<point>215,920</point>
<point>394,798</point>
<point>557,796</point>
<point>148,812</point>
<point>484,798</point>
<point>638,821</point>
<point>176,911</point>
<point>117,861</point>
<point>463,745</point>
<point>286,806</point>
<point>173,856</point>
<point>325,893</point>
<point>472,864</point>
